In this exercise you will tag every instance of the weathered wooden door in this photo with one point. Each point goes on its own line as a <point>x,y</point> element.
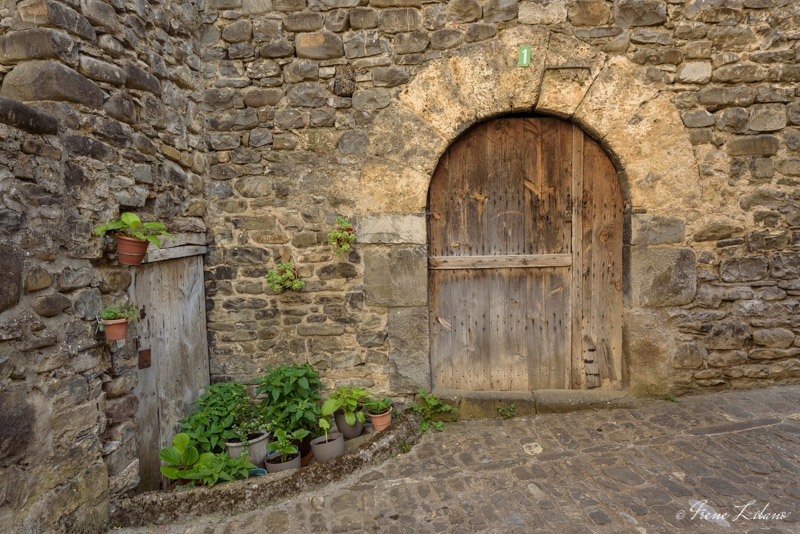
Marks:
<point>171,300</point>
<point>525,283</point>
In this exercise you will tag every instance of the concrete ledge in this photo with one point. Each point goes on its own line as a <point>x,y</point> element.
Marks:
<point>159,507</point>
<point>484,404</point>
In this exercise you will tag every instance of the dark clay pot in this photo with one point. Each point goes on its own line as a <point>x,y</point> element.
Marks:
<point>292,463</point>
<point>325,450</point>
<point>348,431</point>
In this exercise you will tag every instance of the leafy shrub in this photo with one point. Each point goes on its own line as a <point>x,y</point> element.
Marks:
<point>185,462</point>
<point>284,277</point>
<point>291,397</point>
<point>219,411</point>
<point>429,407</point>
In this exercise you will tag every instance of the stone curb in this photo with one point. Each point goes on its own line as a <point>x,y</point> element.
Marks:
<point>484,404</point>
<point>159,507</point>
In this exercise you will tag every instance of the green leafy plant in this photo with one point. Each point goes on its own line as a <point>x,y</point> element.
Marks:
<point>284,277</point>
<point>284,442</point>
<point>113,312</point>
<point>404,446</point>
<point>325,425</point>
<point>342,236</point>
<point>505,412</point>
<point>670,398</point>
<point>348,400</point>
<point>219,411</point>
<point>252,427</point>
<point>291,396</point>
<point>430,407</point>
<point>186,463</point>
<point>377,407</point>
<point>129,225</point>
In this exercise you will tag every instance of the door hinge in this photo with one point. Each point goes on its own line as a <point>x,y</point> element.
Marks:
<point>144,358</point>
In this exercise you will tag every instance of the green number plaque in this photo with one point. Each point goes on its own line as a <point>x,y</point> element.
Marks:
<point>524,56</point>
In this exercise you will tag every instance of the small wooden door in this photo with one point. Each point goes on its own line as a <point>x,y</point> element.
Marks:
<point>525,283</point>
<point>171,299</point>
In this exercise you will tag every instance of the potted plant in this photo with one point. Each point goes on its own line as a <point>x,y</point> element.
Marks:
<point>342,236</point>
<point>219,411</point>
<point>284,277</point>
<point>252,437</point>
<point>327,447</point>
<point>380,412</point>
<point>133,237</point>
<point>344,404</point>
<point>283,453</point>
<point>114,320</point>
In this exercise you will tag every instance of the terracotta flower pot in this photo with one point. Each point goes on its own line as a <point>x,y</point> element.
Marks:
<point>256,451</point>
<point>273,462</point>
<point>131,251</point>
<point>349,432</point>
<point>115,329</point>
<point>381,420</point>
<point>325,450</point>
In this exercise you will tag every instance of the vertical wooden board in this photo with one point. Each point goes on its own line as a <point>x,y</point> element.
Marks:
<point>532,186</point>
<point>576,365</point>
<point>173,295</point>
<point>507,336</point>
<point>505,202</point>
<point>441,318</point>
<point>556,177</point>
<point>438,204</point>
<point>557,285</point>
<point>467,194</point>
<point>539,369</point>
<point>602,261</point>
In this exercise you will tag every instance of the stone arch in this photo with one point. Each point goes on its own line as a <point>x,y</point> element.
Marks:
<point>632,118</point>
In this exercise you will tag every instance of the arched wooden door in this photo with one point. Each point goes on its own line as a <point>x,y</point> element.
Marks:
<point>525,284</point>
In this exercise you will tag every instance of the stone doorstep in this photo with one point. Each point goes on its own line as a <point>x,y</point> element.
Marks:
<point>484,404</point>
<point>160,507</point>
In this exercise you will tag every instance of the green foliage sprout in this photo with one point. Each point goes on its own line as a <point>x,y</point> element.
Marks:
<point>284,277</point>
<point>348,400</point>
<point>129,225</point>
<point>185,462</point>
<point>377,407</point>
<point>429,407</point>
<point>284,442</point>
<point>113,312</point>
<point>291,395</point>
<point>505,412</point>
<point>342,236</point>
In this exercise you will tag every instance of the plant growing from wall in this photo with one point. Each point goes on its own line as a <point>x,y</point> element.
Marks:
<point>505,412</point>
<point>429,406</point>
<point>220,410</point>
<point>284,277</point>
<point>342,236</point>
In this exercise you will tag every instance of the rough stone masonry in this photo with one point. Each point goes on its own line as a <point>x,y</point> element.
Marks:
<point>260,121</point>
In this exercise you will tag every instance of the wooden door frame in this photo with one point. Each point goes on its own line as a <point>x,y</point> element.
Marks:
<point>574,375</point>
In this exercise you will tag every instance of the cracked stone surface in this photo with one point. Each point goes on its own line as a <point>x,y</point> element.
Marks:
<point>709,463</point>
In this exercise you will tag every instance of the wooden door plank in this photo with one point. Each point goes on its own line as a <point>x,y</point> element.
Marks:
<point>576,364</point>
<point>438,203</point>
<point>500,262</point>
<point>467,213</point>
<point>532,186</point>
<point>505,202</point>
<point>556,179</point>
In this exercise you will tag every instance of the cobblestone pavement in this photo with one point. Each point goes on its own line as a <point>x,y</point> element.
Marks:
<point>657,468</point>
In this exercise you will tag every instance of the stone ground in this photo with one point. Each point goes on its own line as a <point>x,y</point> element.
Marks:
<point>646,469</point>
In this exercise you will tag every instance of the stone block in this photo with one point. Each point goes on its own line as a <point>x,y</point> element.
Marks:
<point>719,97</point>
<point>121,408</point>
<point>11,281</point>
<point>446,38</point>
<point>744,269</point>
<point>410,43</point>
<point>389,76</point>
<point>396,3</point>
<point>256,7</point>
<point>319,45</point>
<point>731,334</point>
<point>363,18</point>
<point>48,80</point>
<point>774,353</point>
<point>633,13</point>
<point>50,305</point>
<point>36,43</point>
<point>461,11</point>
<point>662,276</point>
<point>480,32</point>
<point>302,22</point>
<point>773,337</point>
<point>698,119</point>
<point>56,14</point>
<point>727,358</point>
<point>400,20</point>
<point>101,71</point>
<point>101,14</point>
<point>17,423</point>
<point>284,49</point>
<point>320,329</point>
<point>654,230</point>
<point>767,117</point>
<point>353,142</point>
<point>37,279</point>
<point>732,120</point>
<point>396,276</point>
<point>136,78</point>
<point>257,97</point>
<point>589,13</point>
<point>698,72</point>
<point>754,145</point>
<point>17,114</point>
<point>784,265</point>
<point>238,32</point>
<point>407,332</point>
<point>500,10</point>
<point>307,95</point>
<point>689,356</point>
<point>392,229</point>
<point>371,99</point>
<point>732,38</point>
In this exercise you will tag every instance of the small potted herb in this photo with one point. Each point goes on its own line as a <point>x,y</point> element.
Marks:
<point>252,437</point>
<point>284,277</point>
<point>380,412</point>
<point>327,446</point>
<point>342,236</point>
<point>283,452</point>
<point>133,237</point>
<point>114,320</point>
<point>344,404</point>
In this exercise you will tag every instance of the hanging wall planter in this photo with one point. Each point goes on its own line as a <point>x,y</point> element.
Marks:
<point>114,320</point>
<point>133,237</point>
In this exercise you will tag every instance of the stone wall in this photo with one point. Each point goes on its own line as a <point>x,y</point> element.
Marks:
<point>97,116</point>
<point>325,107</point>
